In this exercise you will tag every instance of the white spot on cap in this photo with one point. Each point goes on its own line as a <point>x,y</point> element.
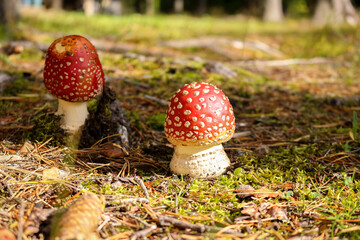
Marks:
<point>206,90</point>
<point>212,98</point>
<point>194,119</point>
<point>177,118</point>
<point>185,92</point>
<point>179,106</point>
<point>187,112</point>
<point>187,124</point>
<point>68,63</point>
<point>198,107</point>
<point>196,93</point>
<point>176,99</point>
<point>195,127</point>
<point>189,100</point>
<point>209,119</point>
<point>202,124</point>
<point>81,59</point>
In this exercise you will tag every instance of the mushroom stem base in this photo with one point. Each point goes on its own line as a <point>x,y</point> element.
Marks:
<point>199,161</point>
<point>74,116</point>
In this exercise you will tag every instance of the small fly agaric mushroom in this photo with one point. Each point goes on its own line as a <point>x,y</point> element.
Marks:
<point>199,118</point>
<point>73,74</point>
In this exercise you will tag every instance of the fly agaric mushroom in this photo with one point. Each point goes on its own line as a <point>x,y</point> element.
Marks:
<point>73,74</point>
<point>199,118</point>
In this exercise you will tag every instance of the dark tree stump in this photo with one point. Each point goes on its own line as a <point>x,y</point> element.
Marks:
<point>108,119</point>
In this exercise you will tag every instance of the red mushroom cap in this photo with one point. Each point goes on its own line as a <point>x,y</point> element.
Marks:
<point>73,70</point>
<point>199,114</point>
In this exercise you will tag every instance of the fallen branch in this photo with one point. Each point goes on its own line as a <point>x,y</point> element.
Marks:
<point>217,45</point>
<point>256,45</point>
<point>166,221</point>
<point>157,100</point>
<point>142,185</point>
<point>142,233</point>
<point>279,63</point>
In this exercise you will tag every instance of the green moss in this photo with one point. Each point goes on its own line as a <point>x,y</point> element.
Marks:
<point>19,85</point>
<point>31,54</point>
<point>156,121</point>
<point>134,118</point>
<point>47,126</point>
<point>5,59</point>
<point>92,105</point>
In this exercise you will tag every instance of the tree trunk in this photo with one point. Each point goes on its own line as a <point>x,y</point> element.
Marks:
<point>57,4</point>
<point>273,11</point>
<point>114,7</point>
<point>335,12</point>
<point>202,7</point>
<point>9,12</point>
<point>150,7</point>
<point>179,6</point>
<point>322,12</point>
<point>9,15</point>
<point>89,7</point>
<point>351,16</point>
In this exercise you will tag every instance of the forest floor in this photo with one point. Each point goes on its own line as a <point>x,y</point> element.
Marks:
<point>296,149</point>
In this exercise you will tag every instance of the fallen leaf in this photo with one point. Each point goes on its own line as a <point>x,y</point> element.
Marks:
<point>6,234</point>
<point>112,150</point>
<point>26,148</point>
<point>54,173</point>
<point>278,213</point>
<point>264,207</point>
<point>244,191</point>
<point>252,211</point>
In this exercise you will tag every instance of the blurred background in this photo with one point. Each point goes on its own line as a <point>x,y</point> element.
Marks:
<point>320,11</point>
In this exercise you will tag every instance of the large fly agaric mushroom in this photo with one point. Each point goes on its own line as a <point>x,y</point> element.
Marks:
<point>199,118</point>
<point>73,74</point>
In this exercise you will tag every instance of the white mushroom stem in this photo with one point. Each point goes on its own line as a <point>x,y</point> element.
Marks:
<point>74,115</point>
<point>199,161</point>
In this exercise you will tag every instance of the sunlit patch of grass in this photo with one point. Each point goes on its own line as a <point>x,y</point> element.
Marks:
<point>137,28</point>
<point>295,38</point>
<point>31,54</point>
